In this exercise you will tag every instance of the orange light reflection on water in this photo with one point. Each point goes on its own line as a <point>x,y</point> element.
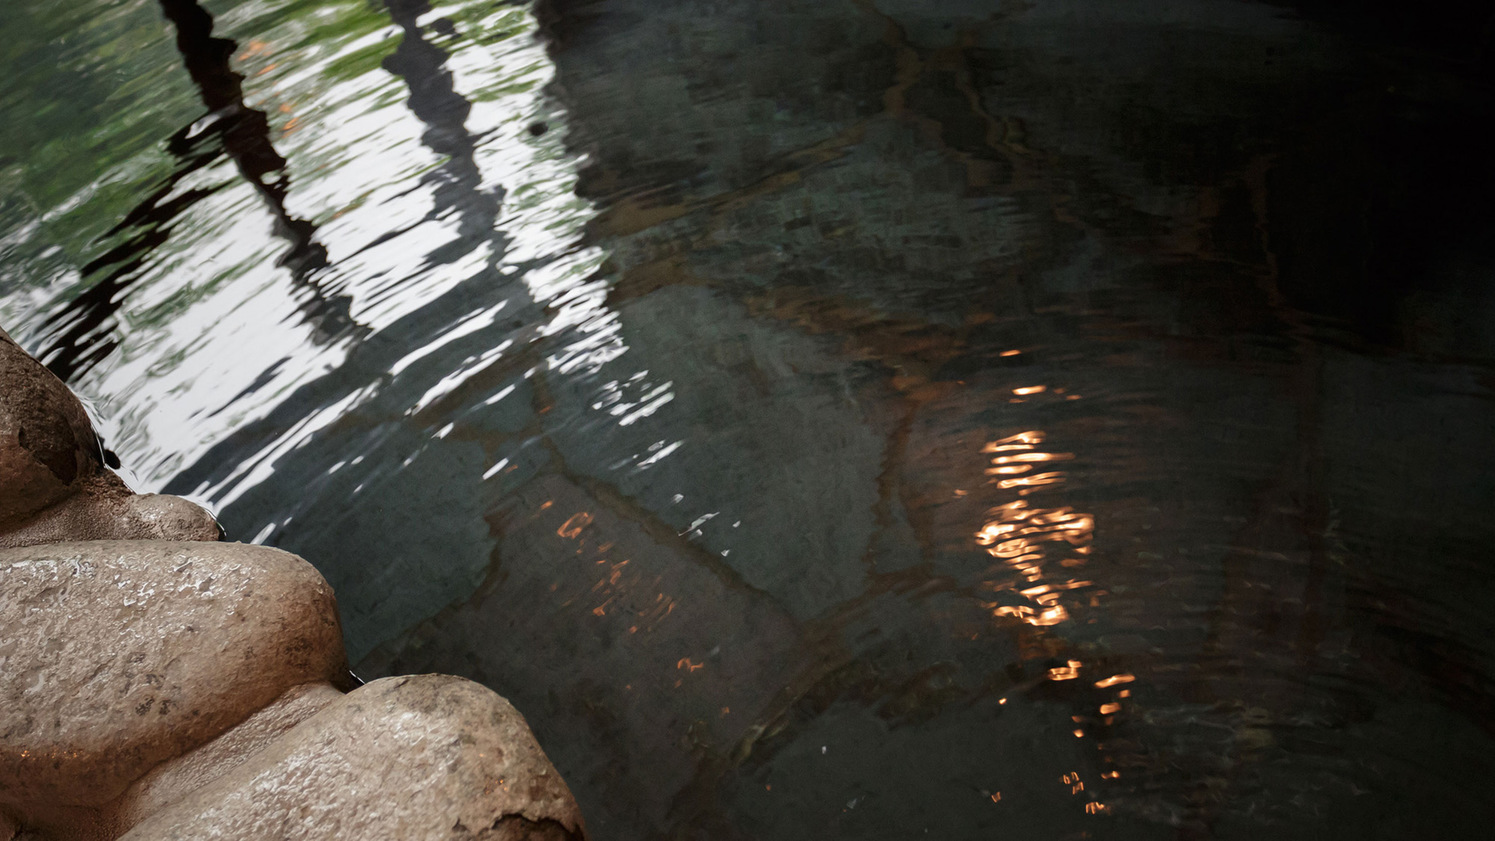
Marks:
<point>1025,538</point>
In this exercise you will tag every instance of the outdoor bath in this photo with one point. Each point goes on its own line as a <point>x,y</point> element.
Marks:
<point>863,419</point>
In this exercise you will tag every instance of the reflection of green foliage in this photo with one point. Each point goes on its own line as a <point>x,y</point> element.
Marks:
<point>186,294</point>
<point>479,22</point>
<point>528,78</point>
<point>359,61</point>
<point>88,97</point>
<point>489,24</point>
<point>93,89</point>
<point>300,24</point>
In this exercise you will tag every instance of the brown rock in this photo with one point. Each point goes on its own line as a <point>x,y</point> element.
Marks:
<point>119,655</point>
<point>426,757</point>
<point>104,509</point>
<point>47,445</point>
<point>176,778</point>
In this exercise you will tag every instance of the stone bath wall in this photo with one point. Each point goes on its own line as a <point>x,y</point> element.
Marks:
<point>161,684</point>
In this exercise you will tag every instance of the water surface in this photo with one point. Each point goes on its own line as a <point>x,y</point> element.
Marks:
<point>872,419</point>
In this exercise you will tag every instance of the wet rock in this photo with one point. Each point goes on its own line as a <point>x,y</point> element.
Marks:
<point>104,509</point>
<point>47,445</point>
<point>119,655</point>
<point>53,486</point>
<point>176,778</point>
<point>411,757</point>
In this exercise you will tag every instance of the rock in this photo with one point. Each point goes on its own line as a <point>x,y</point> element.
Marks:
<point>47,445</point>
<point>177,778</point>
<point>53,486</point>
<point>422,757</point>
<point>159,684</point>
<point>104,509</point>
<point>120,655</point>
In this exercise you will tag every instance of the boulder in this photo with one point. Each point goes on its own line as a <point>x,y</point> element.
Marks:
<point>403,758</point>
<point>53,485</point>
<point>105,509</point>
<point>177,778</point>
<point>47,445</point>
<point>120,655</point>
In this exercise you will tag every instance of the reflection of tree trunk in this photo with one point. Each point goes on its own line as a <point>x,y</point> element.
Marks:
<point>245,131</point>
<point>206,59</point>
<point>435,102</point>
<point>245,135</point>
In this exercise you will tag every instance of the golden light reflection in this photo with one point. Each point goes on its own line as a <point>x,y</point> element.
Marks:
<point>1066,672</point>
<point>1026,538</point>
<point>574,525</point>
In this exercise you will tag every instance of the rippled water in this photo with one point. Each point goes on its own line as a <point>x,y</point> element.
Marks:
<point>865,419</point>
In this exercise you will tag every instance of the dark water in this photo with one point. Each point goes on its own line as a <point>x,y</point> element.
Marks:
<point>878,419</point>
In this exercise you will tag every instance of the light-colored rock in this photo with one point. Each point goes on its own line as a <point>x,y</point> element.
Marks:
<point>47,445</point>
<point>104,509</point>
<point>408,758</point>
<point>176,778</point>
<point>164,685</point>
<point>120,655</point>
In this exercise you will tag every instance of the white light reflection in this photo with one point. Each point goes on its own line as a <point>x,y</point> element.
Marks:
<point>360,171</point>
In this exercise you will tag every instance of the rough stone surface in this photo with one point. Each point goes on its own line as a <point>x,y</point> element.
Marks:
<point>404,758</point>
<point>47,445</point>
<point>176,778</point>
<point>119,655</point>
<point>104,509</point>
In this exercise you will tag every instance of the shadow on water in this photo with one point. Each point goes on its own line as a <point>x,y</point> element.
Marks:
<point>873,419</point>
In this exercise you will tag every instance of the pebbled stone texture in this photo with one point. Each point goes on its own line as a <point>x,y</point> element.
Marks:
<point>47,445</point>
<point>119,655</point>
<point>404,758</point>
